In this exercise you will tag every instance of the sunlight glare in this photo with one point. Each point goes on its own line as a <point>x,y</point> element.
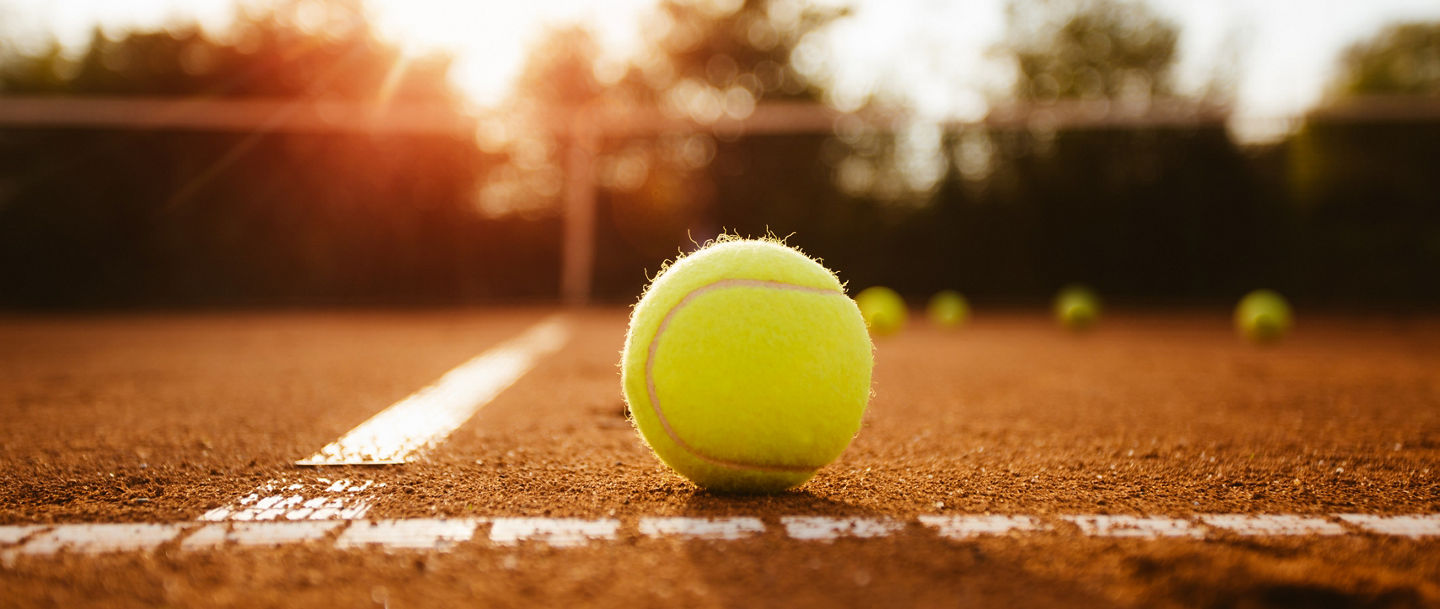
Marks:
<point>490,39</point>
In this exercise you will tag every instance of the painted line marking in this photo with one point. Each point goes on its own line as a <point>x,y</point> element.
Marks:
<point>259,533</point>
<point>1272,524</point>
<point>426,418</point>
<point>1145,527</point>
<point>438,534</point>
<point>300,499</point>
<point>12,534</point>
<point>441,534</point>
<point>102,538</point>
<point>727,529</point>
<point>558,532</point>
<point>820,528</point>
<point>398,434</point>
<point>966,527</point>
<point>1413,526</point>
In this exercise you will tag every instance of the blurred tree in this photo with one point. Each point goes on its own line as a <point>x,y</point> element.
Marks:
<point>559,72</point>
<point>1138,211</point>
<point>701,61</point>
<point>100,217</point>
<point>48,71</point>
<point>296,48</point>
<point>1402,59</point>
<point>556,86</point>
<point>1061,49</point>
<point>1367,191</point>
<point>1088,49</point>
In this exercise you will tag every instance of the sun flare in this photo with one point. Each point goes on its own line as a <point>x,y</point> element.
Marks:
<point>490,39</point>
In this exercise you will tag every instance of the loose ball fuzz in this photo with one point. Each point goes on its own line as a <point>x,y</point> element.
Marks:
<point>948,309</point>
<point>746,367</point>
<point>883,310</point>
<point>1077,308</point>
<point>1263,316</point>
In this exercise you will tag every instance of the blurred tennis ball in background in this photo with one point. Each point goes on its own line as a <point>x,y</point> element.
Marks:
<point>883,310</point>
<point>948,309</point>
<point>746,367</point>
<point>1263,316</point>
<point>1077,308</point>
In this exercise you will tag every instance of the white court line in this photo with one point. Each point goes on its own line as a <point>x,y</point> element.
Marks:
<point>821,528</point>
<point>558,532</point>
<point>428,417</point>
<point>102,538</point>
<point>414,534</point>
<point>1145,527</point>
<point>1272,524</point>
<point>312,498</point>
<point>397,434</point>
<point>1413,526</point>
<point>11,534</point>
<point>968,526</point>
<point>259,533</point>
<point>728,529</point>
<point>436,534</point>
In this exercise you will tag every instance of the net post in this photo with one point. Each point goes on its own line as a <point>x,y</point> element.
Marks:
<point>578,248</point>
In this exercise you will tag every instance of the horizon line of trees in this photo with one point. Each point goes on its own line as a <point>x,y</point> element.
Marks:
<point>1335,213</point>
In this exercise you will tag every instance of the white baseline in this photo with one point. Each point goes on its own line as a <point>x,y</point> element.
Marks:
<point>440,534</point>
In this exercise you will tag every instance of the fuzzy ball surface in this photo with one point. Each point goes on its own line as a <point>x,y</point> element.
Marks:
<point>746,367</point>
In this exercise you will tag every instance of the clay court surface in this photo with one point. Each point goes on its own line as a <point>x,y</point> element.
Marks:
<point>168,418</point>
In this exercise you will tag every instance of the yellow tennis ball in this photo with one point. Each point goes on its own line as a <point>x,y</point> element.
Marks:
<point>1077,308</point>
<point>746,367</point>
<point>948,309</point>
<point>883,310</point>
<point>1263,316</point>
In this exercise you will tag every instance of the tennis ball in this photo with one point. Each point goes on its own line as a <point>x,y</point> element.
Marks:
<point>1077,308</point>
<point>948,309</point>
<point>1263,316</point>
<point>883,309</point>
<point>746,368</point>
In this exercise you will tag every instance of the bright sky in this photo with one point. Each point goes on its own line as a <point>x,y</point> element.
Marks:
<point>929,52</point>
